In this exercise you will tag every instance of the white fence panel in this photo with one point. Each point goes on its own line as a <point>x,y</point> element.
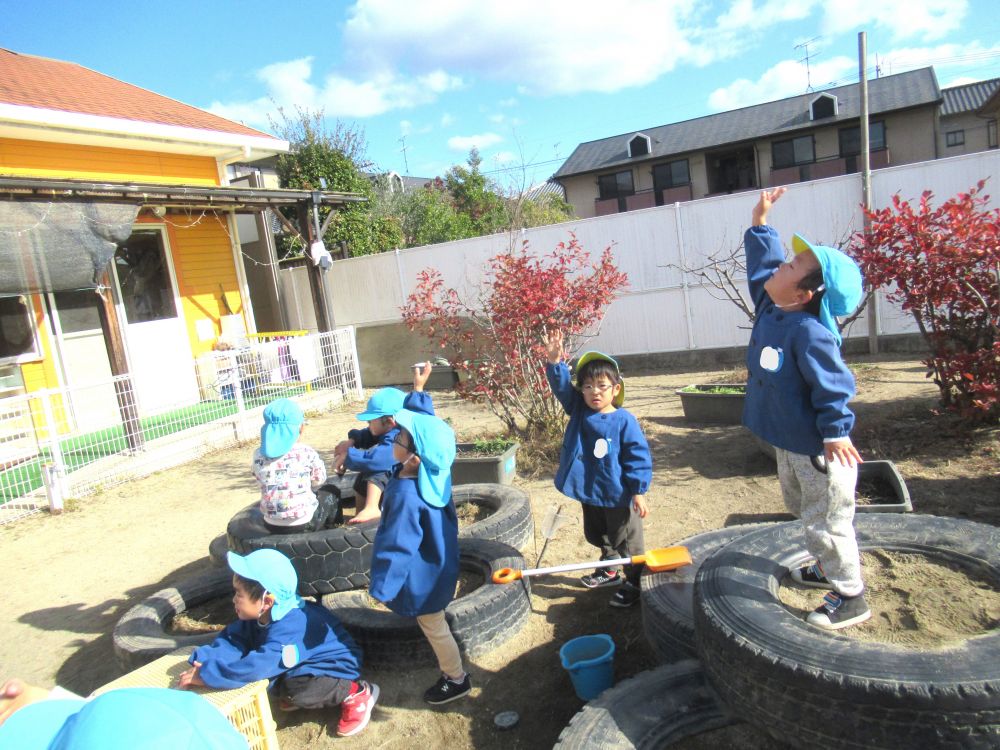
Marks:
<point>365,290</point>
<point>944,177</point>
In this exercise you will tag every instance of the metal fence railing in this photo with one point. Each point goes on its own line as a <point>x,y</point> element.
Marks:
<point>69,442</point>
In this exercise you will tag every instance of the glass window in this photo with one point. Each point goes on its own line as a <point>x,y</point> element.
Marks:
<point>17,329</point>
<point>823,107</point>
<point>615,185</point>
<point>850,139</point>
<point>991,134</point>
<point>672,174</point>
<point>793,151</point>
<point>954,138</point>
<point>638,146</point>
<point>144,279</point>
<point>78,311</point>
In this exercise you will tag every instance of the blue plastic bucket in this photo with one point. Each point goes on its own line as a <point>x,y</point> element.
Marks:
<point>589,661</point>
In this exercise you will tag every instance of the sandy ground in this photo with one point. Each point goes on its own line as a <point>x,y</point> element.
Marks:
<point>69,578</point>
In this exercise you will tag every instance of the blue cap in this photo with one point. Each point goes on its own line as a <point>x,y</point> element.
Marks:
<point>283,420</point>
<point>434,442</point>
<point>122,719</point>
<point>841,279</point>
<point>383,403</point>
<point>275,573</point>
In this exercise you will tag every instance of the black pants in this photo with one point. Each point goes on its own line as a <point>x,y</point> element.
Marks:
<point>617,532</point>
<point>314,691</point>
<point>325,505</point>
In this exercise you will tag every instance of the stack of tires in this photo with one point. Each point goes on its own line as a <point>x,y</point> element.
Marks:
<point>334,565</point>
<point>804,687</point>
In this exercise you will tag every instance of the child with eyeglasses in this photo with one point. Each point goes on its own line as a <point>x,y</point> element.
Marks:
<point>605,463</point>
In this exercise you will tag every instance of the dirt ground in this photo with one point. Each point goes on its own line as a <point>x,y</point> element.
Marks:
<point>69,578</point>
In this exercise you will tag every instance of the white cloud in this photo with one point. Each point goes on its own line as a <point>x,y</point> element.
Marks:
<point>928,19</point>
<point>405,127</point>
<point>447,120</point>
<point>541,47</point>
<point>508,102</point>
<point>787,78</point>
<point>503,157</point>
<point>941,56</point>
<point>466,142</point>
<point>289,84</point>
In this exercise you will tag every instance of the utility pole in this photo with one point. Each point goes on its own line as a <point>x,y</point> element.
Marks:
<point>406,164</point>
<point>866,178</point>
<point>805,45</point>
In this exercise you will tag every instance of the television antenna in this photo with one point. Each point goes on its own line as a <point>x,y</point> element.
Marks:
<point>406,164</point>
<point>805,45</point>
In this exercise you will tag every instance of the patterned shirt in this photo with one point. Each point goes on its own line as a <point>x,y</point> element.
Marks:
<point>287,485</point>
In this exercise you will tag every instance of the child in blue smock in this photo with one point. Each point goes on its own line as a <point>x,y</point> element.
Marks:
<point>368,451</point>
<point>301,647</point>
<point>797,395</point>
<point>415,557</point>
<point>604,463</point>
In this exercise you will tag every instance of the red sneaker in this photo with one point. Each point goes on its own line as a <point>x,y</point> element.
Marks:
<point>356,709</point>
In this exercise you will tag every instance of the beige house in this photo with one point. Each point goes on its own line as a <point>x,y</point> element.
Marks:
<point>967,125</point>
<point>803,137</point>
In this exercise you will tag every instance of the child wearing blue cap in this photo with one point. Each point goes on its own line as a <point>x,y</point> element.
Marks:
<point>288,472</point>
<point>300,646</point>
<point>415,556</point>
<point>604,463</point>
<point>797,396</point>
<point>35,719</point>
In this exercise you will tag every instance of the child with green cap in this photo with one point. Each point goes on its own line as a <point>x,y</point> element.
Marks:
<point>300,646</point>
<point>415,555</point>
<point>604,463</point>
<point>288,472</point>
<point>797,395</point>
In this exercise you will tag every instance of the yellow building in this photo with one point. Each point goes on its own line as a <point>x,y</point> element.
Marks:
<point>177,279</point>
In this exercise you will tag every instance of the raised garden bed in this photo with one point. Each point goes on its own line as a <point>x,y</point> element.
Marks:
<point>713,403</point>
<point>483,462</point>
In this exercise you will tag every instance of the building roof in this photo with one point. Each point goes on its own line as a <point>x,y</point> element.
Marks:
<point>902,91</point>
<point>967,98</point>
<point>31,81</point>
<point>549,187</point>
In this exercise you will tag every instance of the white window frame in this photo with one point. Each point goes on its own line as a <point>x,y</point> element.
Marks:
<point>36,354</point>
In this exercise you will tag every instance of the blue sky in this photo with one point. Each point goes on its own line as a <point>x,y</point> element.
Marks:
<point>524,80</point>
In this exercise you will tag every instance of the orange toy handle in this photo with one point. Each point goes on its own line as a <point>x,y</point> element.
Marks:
<point>506,575</point>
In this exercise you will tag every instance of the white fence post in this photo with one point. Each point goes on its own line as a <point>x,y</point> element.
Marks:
<point>52,433</point>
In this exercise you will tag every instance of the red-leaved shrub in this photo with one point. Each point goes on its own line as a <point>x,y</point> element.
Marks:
<point>499,341</point>
<point>943,266</point>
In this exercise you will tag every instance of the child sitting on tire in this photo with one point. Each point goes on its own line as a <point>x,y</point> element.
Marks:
<point>797,395</point>
<point>299,646</point>
<point>415,555</point>
<point>288,473</point>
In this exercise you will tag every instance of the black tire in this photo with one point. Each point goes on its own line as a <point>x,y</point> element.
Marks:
<point>217,550</point>
<point>329,560</point>
<point>668,597</point>
<point>140,635</point>
<point>510,521</point>
<point>819,689</point>
<point>480,621</point>
<point>652,710</point>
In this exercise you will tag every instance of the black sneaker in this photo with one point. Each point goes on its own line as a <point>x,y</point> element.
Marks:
<point>601,577</point>
<point>839,611</point>
<point>626,595</point>
<point>811,575</point>
<point>446,690</point>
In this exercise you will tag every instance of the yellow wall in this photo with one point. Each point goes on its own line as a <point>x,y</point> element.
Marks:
<point>41,374</point>
<point>203,263</point>
<point>67,161</point>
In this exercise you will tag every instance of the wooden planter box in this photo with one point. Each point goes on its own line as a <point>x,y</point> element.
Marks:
<point>470,468</point>
<point>884,473</point>
<point>712,408</point>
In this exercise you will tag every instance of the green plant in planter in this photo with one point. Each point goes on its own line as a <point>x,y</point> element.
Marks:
<point>490,446</point>
<point>733,390</point>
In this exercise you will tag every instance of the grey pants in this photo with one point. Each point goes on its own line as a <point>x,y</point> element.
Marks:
<point>824,500</point>
<point>617,532</point>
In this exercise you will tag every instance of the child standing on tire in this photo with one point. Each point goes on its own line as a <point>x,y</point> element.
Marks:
<point>797,396</point>
<point>288,472</point>
<point>605,463</point>
<point>415,556</point>
<point>300,646</point>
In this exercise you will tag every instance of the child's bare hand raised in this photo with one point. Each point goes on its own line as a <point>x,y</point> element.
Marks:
<point>767,199</point>
<point>554,346</point>
<point>421,373</point>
